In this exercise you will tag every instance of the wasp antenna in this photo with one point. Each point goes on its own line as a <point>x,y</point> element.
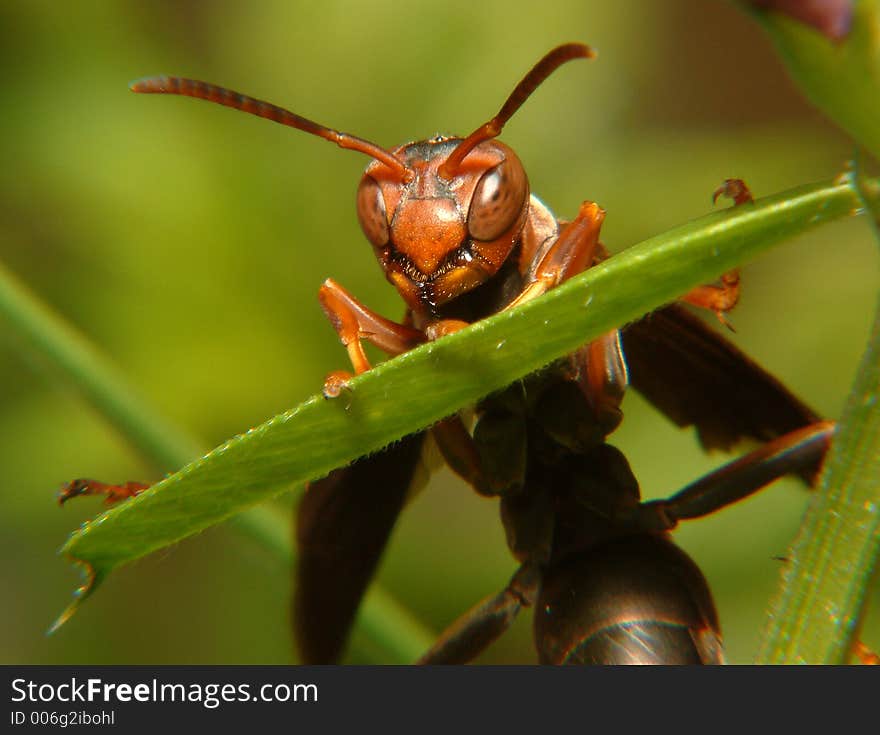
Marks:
<point>238,101</point>
<point>529,83</point>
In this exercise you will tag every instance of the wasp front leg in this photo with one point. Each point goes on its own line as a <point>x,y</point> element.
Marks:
<point>112,493</point>
<point>602,371</point>
<point>599,366</point>
<point>722,298</point>
<point>574,250</point>
<point>354,322</point>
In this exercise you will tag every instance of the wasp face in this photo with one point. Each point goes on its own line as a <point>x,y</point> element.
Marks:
<point>438,238</point>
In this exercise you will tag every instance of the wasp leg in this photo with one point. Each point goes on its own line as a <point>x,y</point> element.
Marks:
<point>600,365</point>
<point>573,252</point>
<point>492,460</point>
<point>460,452</point>
<point>113,493</point>
<point>602,370</point>
<point>721,299</point>
<point>718,299</point>
<point>354,322</point>
<point>474,631</point>
<point>442,327</point>
<point>865,655</point>
<point>734,189</point>
<point>740,478</point>
<point>604,378</point>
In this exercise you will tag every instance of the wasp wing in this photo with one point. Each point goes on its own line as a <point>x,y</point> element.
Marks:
<point>695,376</point>
<point>343,525</point>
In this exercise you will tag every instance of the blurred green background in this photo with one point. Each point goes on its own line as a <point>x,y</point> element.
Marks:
<point>188,242</point>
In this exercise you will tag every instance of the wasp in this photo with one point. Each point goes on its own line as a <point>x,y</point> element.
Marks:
<point>457,231</point>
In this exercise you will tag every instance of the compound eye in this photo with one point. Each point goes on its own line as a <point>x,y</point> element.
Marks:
<point>498,200</point>
<point>371,212</point>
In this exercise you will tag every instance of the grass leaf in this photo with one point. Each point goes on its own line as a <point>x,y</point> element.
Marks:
<point>386,625</point>
<point>816,616</point>
<point>411,392</point>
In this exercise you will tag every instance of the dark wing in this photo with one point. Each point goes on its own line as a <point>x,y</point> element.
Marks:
<point>343,524</point>
<point>695,376</point>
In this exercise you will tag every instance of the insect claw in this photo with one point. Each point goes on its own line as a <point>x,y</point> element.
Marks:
<point>722,317</point>
<point>335,383</point>
<point>73,489</point>
<point>443,328</point>
<point>113,493</point>
<point>734,189</point>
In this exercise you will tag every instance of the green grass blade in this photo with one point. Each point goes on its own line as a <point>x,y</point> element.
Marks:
<point>384,622</point>
<point>841,79</point>
<point>411,392</point>
<point>816,616</point>
<point>69,354</point>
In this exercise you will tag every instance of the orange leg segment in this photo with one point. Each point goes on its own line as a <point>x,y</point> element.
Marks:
<point>865,655</point>
<point>722,298</point>
<point>354,322</point>
<point>603,373</point>
<point>603,378</point>
<point>572,253</point>
<point>718,299</point>
<point>113,493</point>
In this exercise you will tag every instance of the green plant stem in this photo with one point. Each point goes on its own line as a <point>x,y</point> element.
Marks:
<point>815,618</point>
<point>428,383</point>
<point>422,386</point>
<point>71,356</point>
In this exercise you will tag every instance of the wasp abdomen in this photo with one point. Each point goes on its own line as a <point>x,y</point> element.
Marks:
<point>633,600</point>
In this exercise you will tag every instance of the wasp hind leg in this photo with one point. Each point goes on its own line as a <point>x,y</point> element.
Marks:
<point>741,478</point>
<point>474,631</point>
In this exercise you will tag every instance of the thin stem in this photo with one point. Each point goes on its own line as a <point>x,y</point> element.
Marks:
<point>816,616</point>
<point>71,356</point>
